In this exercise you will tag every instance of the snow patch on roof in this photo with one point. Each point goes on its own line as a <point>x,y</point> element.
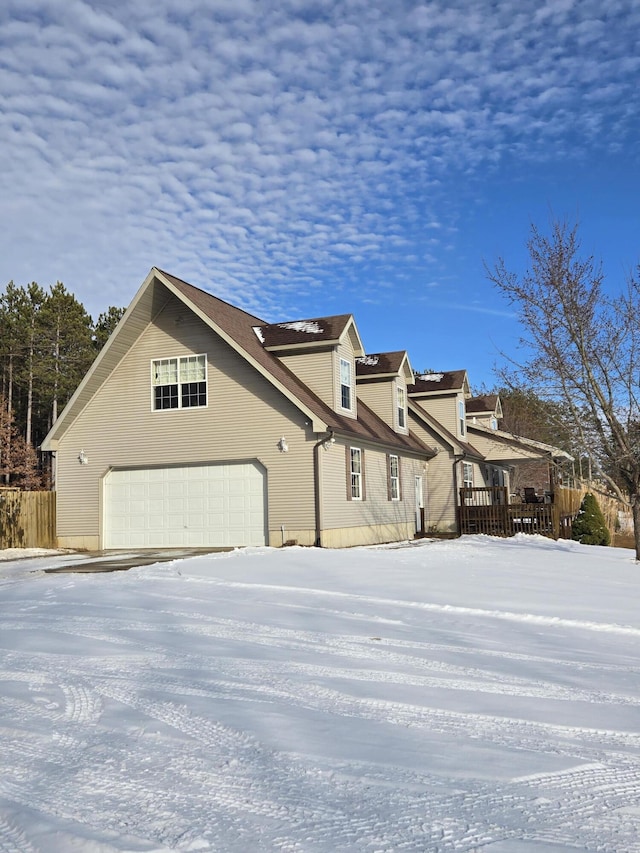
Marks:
<point>310,326</point>
<point>369,360</point>
<point>432,377</point>
<point>258,332</point>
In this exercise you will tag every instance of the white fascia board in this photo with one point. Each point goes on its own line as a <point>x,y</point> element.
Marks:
<point>59,428</point>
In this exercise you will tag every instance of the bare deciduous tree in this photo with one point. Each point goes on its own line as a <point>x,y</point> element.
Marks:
<point>582,349</point>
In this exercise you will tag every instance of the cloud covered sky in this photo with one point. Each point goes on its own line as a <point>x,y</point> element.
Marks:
<point>301,158</point>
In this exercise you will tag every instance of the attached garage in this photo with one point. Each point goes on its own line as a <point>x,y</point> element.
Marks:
<point>192,506</point>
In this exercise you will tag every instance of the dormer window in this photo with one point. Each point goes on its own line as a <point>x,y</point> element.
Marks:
<point>494,423</point>
<point>179,383</point>
<point>345,384</point>
<point>461,417</point>
<point>402,407</point>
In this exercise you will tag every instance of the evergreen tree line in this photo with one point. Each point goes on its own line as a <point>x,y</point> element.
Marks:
<point>47,343</point>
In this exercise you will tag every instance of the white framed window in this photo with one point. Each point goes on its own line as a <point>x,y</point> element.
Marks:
<point>356,485</point>
<point>345,384</point>
<point>394,477</point>
<point>494,423</point>
<point>402,407</point>
<point>462,417</point>
<point>179,383</point>
<point>467,475</point>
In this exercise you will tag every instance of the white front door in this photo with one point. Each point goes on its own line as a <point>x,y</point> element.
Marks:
<point>192,506</point>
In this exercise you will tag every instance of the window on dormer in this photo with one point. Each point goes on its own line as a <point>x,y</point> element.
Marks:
<point>494,423</point>
<point>345,384</point>
<point>461,417</point>
<point>402,408</point>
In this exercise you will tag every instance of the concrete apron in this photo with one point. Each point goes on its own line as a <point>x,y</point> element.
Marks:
<point>121,561</point>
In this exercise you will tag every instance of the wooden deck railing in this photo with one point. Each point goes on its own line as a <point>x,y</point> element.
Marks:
<point>487,510</point>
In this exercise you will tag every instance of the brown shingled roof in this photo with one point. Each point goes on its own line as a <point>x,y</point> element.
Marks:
<point>239,325</point>
<point>380,364</point>
<point>483,403</point>
<point>451,380</point>
<point>313,331</point>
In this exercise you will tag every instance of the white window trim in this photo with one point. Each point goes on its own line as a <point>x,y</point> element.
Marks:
<point>401,406</point>
<point>349,365</point>
<point>178,359</point>
<point>462,416</point>
<point>356,476</point>
<point>394,479</point>
<point>467,481</point>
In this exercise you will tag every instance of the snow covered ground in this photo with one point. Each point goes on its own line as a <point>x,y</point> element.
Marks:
<point>469,695</point>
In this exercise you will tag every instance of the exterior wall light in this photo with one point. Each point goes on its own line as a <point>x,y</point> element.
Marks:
<point>83,459</point>
<point>283,447</point>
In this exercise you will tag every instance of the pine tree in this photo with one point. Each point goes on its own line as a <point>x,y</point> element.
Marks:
<point>66,350</point>
<point>18,459</point>
<point>589,527</point>
<point>105,324</point>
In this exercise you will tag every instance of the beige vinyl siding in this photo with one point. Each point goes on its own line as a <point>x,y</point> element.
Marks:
<point>244,419</point>
<point>443,409</point>
<point>497,449</point>
<point>442,508</point>
<point>481,418</point>
<point>441,512</point>
<point>315,369</point>
<point>379,396</point>
<point>376,509</point>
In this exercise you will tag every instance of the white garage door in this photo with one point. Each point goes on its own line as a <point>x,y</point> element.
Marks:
<point>191,506</point>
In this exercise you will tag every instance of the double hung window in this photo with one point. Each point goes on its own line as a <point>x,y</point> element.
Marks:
<point>394,478</point>
<point>355,456</point>
<point>345,384</point>
<point>179,383</point>
<point>402,408</point>
<point>462,417</point>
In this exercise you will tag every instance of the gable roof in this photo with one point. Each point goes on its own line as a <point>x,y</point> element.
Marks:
<point>440,383</point>
<point>311,333</point>
<point>459,447</point>
<point>384,364</point>
<point>484,404</point>
<point>535,449</point>
<point>236,327</point>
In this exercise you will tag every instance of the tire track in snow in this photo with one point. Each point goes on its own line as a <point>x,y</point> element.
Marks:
<point>430,607</point>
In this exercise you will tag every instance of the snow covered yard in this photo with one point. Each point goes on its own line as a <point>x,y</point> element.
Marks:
<point>469,695</point>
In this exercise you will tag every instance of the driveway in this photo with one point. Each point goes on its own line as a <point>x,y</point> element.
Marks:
<point>120,561</point>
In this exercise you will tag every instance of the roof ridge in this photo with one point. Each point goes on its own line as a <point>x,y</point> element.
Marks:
<point>211,296</point>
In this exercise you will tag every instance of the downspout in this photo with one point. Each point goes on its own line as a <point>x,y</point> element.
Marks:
<point>317,486</point>
<point>457,458</point>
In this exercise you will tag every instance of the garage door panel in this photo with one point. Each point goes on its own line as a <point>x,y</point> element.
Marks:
<point>209,505</point>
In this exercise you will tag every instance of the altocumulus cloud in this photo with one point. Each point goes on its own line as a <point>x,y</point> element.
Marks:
<point>265,147</point>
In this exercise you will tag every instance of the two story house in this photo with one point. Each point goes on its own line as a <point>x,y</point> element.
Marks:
<point>200,425</point>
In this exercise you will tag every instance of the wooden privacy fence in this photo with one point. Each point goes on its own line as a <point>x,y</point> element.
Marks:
<point>27,519</point>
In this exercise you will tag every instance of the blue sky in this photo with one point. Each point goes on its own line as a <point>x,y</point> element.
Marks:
<point>301,158</point>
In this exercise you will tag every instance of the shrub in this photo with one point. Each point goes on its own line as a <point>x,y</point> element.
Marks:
<point>589,526</point>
